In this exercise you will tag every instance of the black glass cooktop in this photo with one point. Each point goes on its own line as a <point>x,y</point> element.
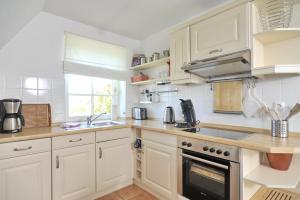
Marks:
<point>233,135</point>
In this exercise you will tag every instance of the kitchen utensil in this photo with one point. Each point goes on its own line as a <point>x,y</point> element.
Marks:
<point>143,60</point>
<point>280,128</point>
<point>166,53</point>
<point>250,103</point>
<point>169,116</point>
<point>228,97</point>
<point>293,111</point>
<point>155,56</point>
<point>275,14</point>
<point>139,113</point>
<point>149,59</point>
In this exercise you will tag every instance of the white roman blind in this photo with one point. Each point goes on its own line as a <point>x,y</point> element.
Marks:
<point>95,53</point>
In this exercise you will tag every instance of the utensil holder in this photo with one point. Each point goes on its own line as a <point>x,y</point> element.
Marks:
<point>280,128</point>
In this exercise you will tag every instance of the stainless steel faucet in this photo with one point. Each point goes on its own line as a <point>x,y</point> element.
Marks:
<point>90,119</point>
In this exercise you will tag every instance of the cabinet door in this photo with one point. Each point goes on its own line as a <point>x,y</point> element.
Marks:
<point>26,177</point>
<point>224,33</point>
<point>180,53</point>
<point>73,172</point>
<point>159,169</point>
<point>114,163</point>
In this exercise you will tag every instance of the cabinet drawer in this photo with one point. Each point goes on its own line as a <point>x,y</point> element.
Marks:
<point>113,134</point>
<point>14,149</point>
<point>73,140</point>
<point>162,138</point>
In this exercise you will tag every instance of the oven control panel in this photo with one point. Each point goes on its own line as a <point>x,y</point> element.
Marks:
<point>223,151</point>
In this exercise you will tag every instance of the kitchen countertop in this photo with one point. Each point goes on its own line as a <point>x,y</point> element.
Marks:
<point>255,141</point>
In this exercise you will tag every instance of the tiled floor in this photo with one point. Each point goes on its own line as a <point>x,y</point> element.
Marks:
<point>131,192</point>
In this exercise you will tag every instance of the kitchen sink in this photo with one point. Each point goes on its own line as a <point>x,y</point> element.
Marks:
<point>106,123</point>
<point>83,125</point>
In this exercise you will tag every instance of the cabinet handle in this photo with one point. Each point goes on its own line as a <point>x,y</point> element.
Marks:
<point>57,162</point>
<point>100,153</point>
<point>23,149</point>
<point>80,139</point>
<point>216,51</point>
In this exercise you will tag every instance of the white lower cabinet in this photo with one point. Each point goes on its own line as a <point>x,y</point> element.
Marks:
<point>159,169</point>
<point>26,177</point>
<point>73,172</point>
<point>114,164</point>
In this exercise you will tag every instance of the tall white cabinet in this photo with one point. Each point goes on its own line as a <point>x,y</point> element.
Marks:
<point>25,170</point>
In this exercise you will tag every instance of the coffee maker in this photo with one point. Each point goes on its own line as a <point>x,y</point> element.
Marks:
<point>188,112</point>
<point>11,118</point>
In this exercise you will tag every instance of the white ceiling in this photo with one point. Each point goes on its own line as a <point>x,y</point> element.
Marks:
<point>137,19</point>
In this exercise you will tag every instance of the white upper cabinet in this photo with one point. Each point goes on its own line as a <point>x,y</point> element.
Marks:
<point>180,53</point>
<point>73,171</point>
<point>26,177</point>
<point>224,33</point>
<point>114,163</point>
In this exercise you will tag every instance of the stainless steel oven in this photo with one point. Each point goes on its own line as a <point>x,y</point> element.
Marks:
<point>208,170</point>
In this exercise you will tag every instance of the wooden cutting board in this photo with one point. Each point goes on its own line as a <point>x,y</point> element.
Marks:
<point>37,115</point>
<point>228,97</point>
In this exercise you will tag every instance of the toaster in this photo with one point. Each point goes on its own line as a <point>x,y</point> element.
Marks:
<point>139,113</point>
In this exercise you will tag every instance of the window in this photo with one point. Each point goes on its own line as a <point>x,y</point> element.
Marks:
<point>89,95</point>
<point>87,51</point>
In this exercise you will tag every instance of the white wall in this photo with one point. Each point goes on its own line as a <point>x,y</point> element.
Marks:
<point>270,90</point>
<point>37,52</point>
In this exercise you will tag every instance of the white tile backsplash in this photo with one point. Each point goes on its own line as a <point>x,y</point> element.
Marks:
<point>269,90</point>
<point>36,90</point>
<point>44,84</point>
<point>13,82</point>
<point>30,96</point>
<point>30,82</point>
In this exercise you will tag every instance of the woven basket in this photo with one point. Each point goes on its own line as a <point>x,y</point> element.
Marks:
<point>275,13</point>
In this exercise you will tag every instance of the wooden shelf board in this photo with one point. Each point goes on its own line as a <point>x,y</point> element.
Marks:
<point>277,35</point>
<point>155,63</point>
<point>272,178</point>
<point>272,194</point>
<point>150,81</point>
<point>276,69</point>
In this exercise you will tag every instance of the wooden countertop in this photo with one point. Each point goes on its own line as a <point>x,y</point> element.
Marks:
<point>255,141</point>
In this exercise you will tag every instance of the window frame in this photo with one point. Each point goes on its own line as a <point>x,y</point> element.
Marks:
<point>91,95</point>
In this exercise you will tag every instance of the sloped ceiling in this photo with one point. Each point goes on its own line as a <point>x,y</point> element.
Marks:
<point>137,19</point>
<point>14,15</point>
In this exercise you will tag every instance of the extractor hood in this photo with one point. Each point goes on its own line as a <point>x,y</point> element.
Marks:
<point>226,67</point>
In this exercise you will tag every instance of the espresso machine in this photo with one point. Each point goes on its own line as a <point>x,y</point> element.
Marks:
<point>188,112</point>
<point>11,118</point>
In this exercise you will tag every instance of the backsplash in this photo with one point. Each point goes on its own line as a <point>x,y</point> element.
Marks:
<point>36,90</point>
<point>269,90</point>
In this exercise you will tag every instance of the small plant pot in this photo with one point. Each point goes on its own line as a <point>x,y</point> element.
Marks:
<point>280,161</point>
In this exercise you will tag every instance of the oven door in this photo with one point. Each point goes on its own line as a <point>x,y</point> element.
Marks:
<point>204,177</point>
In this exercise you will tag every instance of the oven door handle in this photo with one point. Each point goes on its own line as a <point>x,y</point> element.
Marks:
<point>205,161</point>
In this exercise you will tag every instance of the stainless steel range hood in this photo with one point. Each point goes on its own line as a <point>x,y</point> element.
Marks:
<point>226,67</point>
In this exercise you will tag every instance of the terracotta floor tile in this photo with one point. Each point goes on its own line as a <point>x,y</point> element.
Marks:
<point>129,192</point>
<point>112,196</point>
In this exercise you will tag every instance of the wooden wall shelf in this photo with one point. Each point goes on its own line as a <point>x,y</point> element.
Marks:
<point>152,64</point>
<point>272,178</point>
<point>277,35</point>
<point>276,70</point>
